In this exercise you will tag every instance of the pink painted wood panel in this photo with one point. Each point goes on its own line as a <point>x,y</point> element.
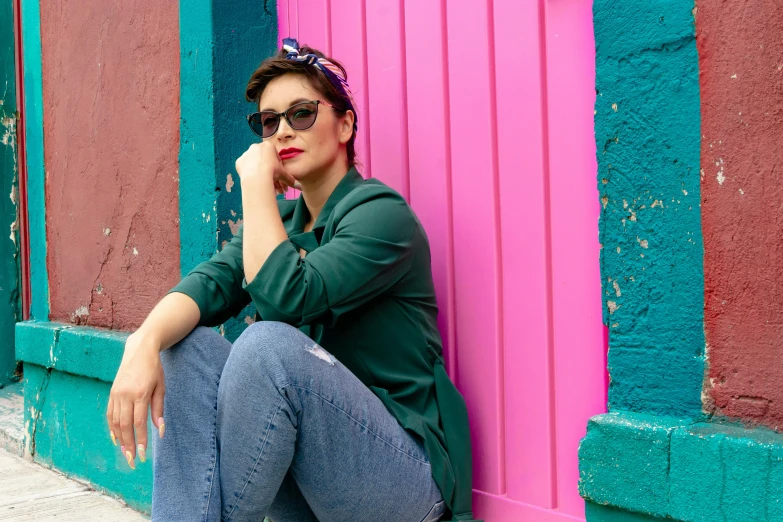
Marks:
<point>386,88</point>
<point>576,279</point>
<point>477,267</point>
<point>480,114</point>
<point>524,209</point>
<point>429,150</point>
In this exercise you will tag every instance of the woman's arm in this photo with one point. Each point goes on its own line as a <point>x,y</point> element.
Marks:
<point>174,317</point>
<point>139,385</point>
<point>260,171</point>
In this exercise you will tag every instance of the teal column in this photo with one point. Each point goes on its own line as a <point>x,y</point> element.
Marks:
<point>10,306</point>
<point>34,157</point>
<point>647,129</point>
<point>221,44</point>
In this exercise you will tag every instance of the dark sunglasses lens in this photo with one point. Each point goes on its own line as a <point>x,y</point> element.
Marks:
<point>264,124</point>
<point>302,115</point>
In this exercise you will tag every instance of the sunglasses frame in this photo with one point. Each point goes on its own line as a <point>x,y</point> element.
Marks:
<point>284,114</point>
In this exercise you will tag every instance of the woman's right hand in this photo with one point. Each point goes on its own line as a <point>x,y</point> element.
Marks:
<point>139,385</point>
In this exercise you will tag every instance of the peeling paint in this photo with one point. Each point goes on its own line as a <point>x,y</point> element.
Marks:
<point>234,225</point>
<point>80,314</point>
<point>14,229</point>
<point>229,182</point>
<point>721,177</point>
<point>9,132</point>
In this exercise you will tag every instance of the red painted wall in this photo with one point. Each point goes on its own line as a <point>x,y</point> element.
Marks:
<point>111,117</point>
<point>741,66</point>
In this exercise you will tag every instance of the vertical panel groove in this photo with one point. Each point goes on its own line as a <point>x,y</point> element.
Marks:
<point>548,252</point>
<point>296,8</point>
<point>328,22</point>
<point>406,175</point>
<point>500,382</point>
<point>451,308</point>
<point>365,94</point>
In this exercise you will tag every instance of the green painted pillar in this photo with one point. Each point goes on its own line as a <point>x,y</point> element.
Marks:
<point>10,306</point>
<point>221,44</point>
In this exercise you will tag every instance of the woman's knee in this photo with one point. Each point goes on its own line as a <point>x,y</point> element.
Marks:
<point>265,344</point>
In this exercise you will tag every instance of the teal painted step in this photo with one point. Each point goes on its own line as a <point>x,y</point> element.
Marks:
<point>598,513</point>
<point>673,468</point>
<point>68,372</point>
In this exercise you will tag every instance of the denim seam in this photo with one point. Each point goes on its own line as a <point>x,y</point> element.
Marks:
<point>428,516</point>
<point>214,460</point>
<point>255,464</point>
<point>357,421</point>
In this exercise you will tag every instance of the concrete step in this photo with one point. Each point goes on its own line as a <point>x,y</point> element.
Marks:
<point>12,419</point>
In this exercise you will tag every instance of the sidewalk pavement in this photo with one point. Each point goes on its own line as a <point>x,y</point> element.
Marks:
<point>29,492</point>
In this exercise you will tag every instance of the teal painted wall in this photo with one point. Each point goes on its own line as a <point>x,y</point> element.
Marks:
<point>222,42</point>
<point>68,371</point>
<point>648,145</point>
<point>34,152</point>
<point>65,415</point>
<point>10,306</point>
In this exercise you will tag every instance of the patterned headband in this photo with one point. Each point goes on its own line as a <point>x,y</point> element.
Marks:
<point>332,72</point>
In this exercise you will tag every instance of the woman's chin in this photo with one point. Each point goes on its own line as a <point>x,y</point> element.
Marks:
<point>297,172</point>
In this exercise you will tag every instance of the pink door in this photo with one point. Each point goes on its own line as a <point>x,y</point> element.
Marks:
<point>480,113</point>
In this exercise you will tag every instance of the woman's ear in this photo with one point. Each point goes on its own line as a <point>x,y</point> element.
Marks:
<point>346,126</point>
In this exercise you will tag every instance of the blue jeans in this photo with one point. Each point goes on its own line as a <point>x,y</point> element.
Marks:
<point>275,426</point>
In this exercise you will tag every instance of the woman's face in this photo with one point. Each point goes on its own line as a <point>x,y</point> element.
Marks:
<point>322,144</point>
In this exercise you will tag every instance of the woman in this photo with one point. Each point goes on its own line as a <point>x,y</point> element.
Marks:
<point>334,404</point>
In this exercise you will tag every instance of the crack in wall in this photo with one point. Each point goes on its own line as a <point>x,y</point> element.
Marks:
<point>40,400</point>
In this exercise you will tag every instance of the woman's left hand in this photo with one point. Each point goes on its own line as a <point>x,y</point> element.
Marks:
<point>260,160</point>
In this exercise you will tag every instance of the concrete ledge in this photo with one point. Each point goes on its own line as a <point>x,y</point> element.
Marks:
<point>658,466</point>
<point>12,419</point>
<point>80,350</point>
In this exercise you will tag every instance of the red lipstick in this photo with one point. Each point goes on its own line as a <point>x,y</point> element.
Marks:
<point>289,153</point>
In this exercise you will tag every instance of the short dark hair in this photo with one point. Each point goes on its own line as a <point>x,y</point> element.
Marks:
<point>278,65</point>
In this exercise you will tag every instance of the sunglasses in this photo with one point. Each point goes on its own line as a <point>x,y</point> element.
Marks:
<point>300,116</point>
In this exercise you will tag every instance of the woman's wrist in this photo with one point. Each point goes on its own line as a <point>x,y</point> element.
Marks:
<point>144,337</point>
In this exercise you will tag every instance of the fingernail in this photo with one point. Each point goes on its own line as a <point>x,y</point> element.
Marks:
<point>161,427</point>
<point>142,453</point>
<point>113,438</point>
<point>129,458</point>
<point>122,449</point>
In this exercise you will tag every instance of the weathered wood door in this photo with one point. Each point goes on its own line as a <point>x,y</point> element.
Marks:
<point>480,113</point>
